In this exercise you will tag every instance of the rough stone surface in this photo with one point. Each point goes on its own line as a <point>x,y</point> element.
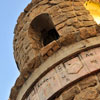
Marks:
<point>72,21</point>
<point>88,82</point>
<point>87,89</point>
<point>73,24</point>
<point>70,94</point>
<point>88,94</point>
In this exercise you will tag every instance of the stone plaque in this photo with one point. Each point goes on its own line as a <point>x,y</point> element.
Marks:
<point>48,85</point>
<point>53,84</point>
<point>62,75</point>
<point>97,51</point>
<point>39,90</point>
<point>75,69</point>
<point>90,60</point>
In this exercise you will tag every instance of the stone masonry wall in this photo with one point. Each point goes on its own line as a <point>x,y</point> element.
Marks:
<point>73,23</point>
<point>70,18</point>
<point>86,89</point>
<point>69,76</point>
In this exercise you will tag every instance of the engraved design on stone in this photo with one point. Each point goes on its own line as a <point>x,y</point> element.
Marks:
<point>90,60</point>
<point>64,74</point>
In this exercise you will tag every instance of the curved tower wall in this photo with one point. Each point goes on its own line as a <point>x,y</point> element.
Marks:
<point>56,49</point>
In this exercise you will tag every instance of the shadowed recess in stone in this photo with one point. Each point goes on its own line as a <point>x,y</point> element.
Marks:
<point>43,24</point>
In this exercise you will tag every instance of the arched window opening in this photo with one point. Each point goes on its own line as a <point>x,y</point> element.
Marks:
<point>44,27</point>
<point>50,36</point>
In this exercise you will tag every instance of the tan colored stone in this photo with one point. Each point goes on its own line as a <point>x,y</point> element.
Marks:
<point>19,82</point>
<point>67,39</point>
<point>20,17</point>
<point>45,49</point>
<point>87,94</point>
<point>14,92</point>
<point>70,94</point>
<point>55,1</point>
<point>50,52</point>
<point>29,6</point>
<point>84,33</point>
<point>98,75</point>
<point>88,82</point>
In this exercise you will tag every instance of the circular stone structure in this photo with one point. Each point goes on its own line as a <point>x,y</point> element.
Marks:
<point>57,51</point>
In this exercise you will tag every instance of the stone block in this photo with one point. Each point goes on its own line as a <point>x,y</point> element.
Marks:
<point>29,6</point>
<point>84,33</point>
<point>90,81</point>
<point>87,94</point>
<point>67,39</point>
<point>50,52</point>
<point>98,75</point>
<point>14,92</point>
<point>59,19</point>
<point>20,17</point>
<point>45,49</point>
<point>19,82</point>
<point>70,94</point>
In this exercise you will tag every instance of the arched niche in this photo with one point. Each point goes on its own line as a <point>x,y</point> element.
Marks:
<point>43,29</point>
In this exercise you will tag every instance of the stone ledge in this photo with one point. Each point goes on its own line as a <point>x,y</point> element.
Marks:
<point>64,74</point>
<point>71,50</point>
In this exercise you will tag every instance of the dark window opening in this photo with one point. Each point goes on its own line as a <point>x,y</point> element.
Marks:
<point>44,27</point>
<point>49,36</point>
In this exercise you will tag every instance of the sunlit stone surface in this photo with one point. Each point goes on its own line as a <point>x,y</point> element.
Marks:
<point>94,8</point>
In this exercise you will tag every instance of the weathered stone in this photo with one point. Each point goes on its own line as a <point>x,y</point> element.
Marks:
<point>57,99</point>
<point>29,6</point>
<point>79,7</point>
<point>55,1</point>
<point>43,2</point>
<point>73,23</point>
<point>67,39</point>
<point>20,17</point>
<point>58,19</point>
<point>98,98</point>
<point>50,52</point>
<point>98,89</point>
<point>85,33</point>
<point>81,12</point>
<point>67,30</point>
<point>70,94</point>
<point>98,75</point>
<point>65,4</point>
<point>89,23</point>
<point>88,82</point>
<point>44,50</point>
<point>20,81</point>
<point>87,94</point>
<point>14,92</point>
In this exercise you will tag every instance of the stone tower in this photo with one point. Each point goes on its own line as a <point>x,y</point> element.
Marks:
<point>57,51</point>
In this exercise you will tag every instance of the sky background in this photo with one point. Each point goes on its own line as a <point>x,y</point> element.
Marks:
<point>9,12</point>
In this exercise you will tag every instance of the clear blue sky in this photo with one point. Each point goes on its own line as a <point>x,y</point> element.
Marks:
<point>9,12</point>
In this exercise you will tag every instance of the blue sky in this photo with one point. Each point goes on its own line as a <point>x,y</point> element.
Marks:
<point>9,12</point>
